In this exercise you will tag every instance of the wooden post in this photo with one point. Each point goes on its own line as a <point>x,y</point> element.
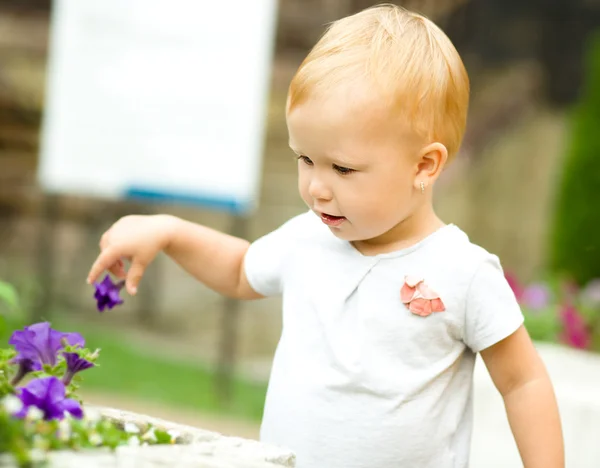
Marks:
<point>46,259</point>
<point>229,331</point>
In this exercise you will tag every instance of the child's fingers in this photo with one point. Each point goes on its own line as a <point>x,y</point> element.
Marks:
<point>134,276</point>
<point>104,262</point>
<point>118,269</point>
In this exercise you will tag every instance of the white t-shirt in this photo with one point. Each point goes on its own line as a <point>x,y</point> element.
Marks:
<point>358,380</point>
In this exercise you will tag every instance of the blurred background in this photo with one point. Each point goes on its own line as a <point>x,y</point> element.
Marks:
<point>526,186</point>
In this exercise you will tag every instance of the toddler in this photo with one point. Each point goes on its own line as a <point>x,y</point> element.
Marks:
<point>384,305</point>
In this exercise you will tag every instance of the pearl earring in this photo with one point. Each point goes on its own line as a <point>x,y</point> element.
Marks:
<point>422,187</point>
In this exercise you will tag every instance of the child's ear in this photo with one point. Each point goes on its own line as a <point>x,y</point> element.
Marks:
<point>431,162</point>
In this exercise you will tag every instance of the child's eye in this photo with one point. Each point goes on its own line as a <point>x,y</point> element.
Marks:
<point>343,170</point>
<point>306,160</point>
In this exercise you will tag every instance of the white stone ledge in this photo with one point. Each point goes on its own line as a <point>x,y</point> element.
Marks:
<point>199,449</point>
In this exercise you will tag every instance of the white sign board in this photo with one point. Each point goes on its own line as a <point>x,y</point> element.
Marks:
<point>163,99</point>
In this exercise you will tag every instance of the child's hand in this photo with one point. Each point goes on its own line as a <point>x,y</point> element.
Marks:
<point>137,239</point>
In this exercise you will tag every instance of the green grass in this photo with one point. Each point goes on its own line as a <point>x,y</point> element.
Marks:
<point>132,371</point>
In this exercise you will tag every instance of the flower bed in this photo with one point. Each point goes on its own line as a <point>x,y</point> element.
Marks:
<point>561,312</point>
<point>40,409</point>
<point>43,420</point>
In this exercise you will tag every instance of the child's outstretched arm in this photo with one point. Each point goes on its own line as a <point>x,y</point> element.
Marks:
<point>214,258</point>
<point>521,377</point>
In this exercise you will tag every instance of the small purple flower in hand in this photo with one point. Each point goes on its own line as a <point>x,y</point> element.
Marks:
<point>40,344</point>
<point>48,395</point>
<point>75,364</point>
<point>107,293</point>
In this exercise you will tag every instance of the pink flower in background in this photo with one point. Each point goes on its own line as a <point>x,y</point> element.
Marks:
<point>515,285</point>
<point>575,332</point>
<point>420,299</point>
<point>536,296</point>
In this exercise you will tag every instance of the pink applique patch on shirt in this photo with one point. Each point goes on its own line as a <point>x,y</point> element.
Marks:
<point>420,298</point>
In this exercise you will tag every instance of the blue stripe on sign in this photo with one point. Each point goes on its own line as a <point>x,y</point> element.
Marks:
<point>229,205</point>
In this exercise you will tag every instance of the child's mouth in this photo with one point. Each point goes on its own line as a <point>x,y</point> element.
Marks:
<point>331,220</point>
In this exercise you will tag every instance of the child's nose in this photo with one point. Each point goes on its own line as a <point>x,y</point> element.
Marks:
<point>318,190</point>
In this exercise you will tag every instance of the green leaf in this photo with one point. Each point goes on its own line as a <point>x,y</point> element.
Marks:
<point>6,354</point>
<point>162,437</point>
<point>8,295</point>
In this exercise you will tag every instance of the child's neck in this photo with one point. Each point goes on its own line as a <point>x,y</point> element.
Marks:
<point>408,232</point>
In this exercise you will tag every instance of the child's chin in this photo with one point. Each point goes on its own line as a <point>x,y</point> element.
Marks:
<point>345,234</point>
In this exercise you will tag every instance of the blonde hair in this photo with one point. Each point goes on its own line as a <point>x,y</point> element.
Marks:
<point>405,57</point>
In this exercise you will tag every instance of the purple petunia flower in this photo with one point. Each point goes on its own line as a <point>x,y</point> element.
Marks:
<point>48,395</point>
<point>26,366</point>
<point>41,344</point>
<point>107,293</point>
<point>75,364</point>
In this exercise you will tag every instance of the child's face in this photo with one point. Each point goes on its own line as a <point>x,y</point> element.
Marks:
<point>357,167</point>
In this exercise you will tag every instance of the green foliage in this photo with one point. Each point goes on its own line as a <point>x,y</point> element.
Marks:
<point>543,325</point>
<point>6,371</point>
<point>145,373</point>
<point>575,245</point>
<point>8,302</point>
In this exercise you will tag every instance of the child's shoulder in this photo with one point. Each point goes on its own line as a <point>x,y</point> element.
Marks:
<point>459,254</point>
<point>475,285</point>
